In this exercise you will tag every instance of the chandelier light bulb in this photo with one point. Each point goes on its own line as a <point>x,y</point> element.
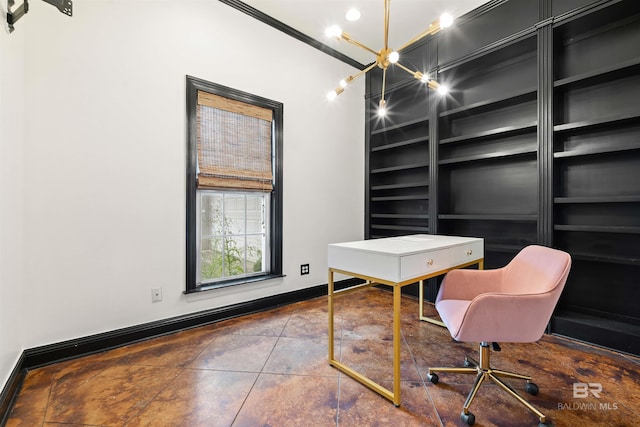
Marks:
<point>333,31</point>
<point>394,57</point>
<point>353,14</point>
<point>382,108</point>
<point>443,90</point>
<point>332,95</point>
<point>424,78</point>
<point>343,83</point>
<point>446,20</point>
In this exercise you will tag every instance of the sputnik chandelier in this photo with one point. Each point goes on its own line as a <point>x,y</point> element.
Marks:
<point>387,56</point>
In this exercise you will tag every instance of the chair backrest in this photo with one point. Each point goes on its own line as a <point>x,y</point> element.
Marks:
<point>516,304</point>
<point>537,270</point>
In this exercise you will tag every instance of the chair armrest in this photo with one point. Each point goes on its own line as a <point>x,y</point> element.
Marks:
<point>463,284</point>
<point>506,318</point>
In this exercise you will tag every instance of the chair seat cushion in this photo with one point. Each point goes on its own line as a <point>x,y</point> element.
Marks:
<point>452,312</point>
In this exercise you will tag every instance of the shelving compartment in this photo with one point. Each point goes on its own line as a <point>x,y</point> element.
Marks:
<point>487,150</point>
<point>399,179</point>
<point>495,200</point>
<point>597,174</point>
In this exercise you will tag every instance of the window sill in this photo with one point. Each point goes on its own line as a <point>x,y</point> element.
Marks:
<point>228,283</point>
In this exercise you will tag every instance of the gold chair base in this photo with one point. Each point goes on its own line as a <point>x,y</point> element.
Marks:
<point>484,372</point>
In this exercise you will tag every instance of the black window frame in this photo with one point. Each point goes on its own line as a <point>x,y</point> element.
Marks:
<point>193,85</point>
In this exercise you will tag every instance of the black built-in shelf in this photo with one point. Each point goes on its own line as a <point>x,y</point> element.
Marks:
<point>537,142</point>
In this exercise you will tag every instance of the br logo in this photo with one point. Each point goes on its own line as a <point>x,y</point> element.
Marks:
<point>582,390</point>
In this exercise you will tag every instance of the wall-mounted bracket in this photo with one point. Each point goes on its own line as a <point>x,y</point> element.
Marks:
<point>64,6</point>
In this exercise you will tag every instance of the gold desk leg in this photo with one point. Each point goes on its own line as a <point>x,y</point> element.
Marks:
<point>331,341</point>
<point>421,305</point>
<point>397,301</point>
<point>392,396</point>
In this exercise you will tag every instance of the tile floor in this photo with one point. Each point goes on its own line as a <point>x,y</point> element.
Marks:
<point>270,369</point>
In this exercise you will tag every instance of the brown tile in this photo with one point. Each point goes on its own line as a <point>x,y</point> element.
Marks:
<point>290,400</point>
<point>198,398</point>
<point>301,356</point>
<point>491,406</point>
<point>360,406</point>
<point>243,353</point>
<point>374,360</point>
<point>265,323</point>
<point>176,350</point>
<point>310,324</point>
<point>31,405</point>
<point>110,398</point>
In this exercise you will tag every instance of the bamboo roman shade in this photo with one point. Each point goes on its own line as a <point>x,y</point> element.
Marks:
<point>234,144</point>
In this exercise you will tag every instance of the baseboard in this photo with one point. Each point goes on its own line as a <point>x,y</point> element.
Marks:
<point>45,355</point>
<point>11,390</point>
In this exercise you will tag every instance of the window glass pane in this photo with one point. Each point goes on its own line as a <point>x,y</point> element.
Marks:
<point>234,255</point>
<point>211,214</point>
<point>211,260</point>
<point>255,263</point>
<point>234,213</point>
<point>233,236</point>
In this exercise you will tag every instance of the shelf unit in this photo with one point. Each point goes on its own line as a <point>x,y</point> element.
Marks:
<point>487,163</point>
<point>537,142</point>
<point>597,173</point>
<point>398,158</point>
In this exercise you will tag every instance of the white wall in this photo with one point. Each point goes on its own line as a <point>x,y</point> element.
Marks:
<point>11,211</point>
<point>104,150</point>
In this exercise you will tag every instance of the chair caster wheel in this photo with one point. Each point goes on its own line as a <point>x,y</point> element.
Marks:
<point>466,363</point>
<point>433,378</point>
<point>532,389</point>
<point>468,418</point>
<point>544,425</point>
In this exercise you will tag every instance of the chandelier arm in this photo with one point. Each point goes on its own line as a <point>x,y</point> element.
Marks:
<point>387,3</point>
<point>384,84</point>
<point>348,38</point>
<point>434,27</point>
<point>350,79</point>
<point>408,70</point>
<point>361,72</point>
<point>433,84</point>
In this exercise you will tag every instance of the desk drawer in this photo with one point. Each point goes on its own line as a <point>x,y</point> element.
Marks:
<point>467,253</point>
<point>421,264</point>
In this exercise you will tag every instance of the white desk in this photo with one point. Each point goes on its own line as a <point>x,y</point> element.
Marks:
<point>396,262</point>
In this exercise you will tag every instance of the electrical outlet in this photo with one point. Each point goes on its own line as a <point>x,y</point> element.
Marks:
<point>304,269</point>
<point>156,294</point>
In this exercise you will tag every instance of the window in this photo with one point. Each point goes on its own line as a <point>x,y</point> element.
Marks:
<point>234,184</point>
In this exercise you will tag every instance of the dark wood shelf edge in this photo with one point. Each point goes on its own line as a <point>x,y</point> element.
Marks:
<point>604,121</point>
<point>582,153</point>
<point>400,144</point>
<point>399,186</point>
<point>514,97</point>
<point>398,198</point>
<point>603,199</point>
<point>400,168</point>
<point>400,216</point>
<point>600,72</point>
<point>506,130</point>
<point>489,156</point>
<point>399,227</point>
<point>583,256</point>
<point>598,228</point>
<point>489,217</point>
<point>401,125</point>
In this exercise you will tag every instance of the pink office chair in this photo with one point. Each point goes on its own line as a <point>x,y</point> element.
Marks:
<point>509,304</point>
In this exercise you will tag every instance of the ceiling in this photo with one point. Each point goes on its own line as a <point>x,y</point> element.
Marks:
<point>407,18</point>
